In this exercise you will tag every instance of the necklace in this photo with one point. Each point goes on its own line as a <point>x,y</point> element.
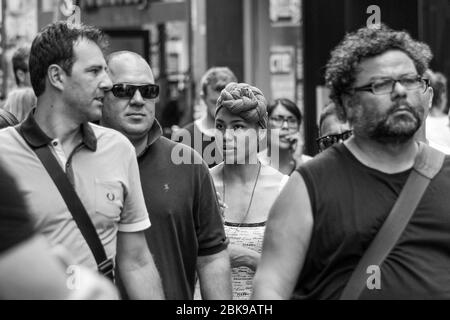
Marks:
<point>251,197</point>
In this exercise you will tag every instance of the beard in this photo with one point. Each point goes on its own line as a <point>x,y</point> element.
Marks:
<point>396,128</point>
<point>392,127</point>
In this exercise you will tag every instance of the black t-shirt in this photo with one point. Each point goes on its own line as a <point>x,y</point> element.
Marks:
<point>184,212</point>
<point>15,224</point>
<point>206,147</point>
<point>350,203</point>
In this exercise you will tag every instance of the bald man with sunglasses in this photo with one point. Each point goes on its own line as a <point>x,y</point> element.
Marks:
<point>187,234</point>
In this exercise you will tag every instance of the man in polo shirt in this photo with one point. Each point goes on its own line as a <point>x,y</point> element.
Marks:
<point>187,234</point>
<point>68,75</point>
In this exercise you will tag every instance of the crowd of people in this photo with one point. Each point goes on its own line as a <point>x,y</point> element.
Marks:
<point>97,204</point>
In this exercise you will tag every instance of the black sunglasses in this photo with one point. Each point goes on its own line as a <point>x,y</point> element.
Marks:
<point>327,141</point>
<point>124,90</point>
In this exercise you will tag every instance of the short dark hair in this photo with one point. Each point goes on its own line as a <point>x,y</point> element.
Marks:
<point>54,45</point>
<point>20,60</point>
<point>366,43</point>
<point>289,105</point>
<point>217,78</point>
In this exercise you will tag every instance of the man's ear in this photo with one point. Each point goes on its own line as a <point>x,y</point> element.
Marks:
<point>56,76</point>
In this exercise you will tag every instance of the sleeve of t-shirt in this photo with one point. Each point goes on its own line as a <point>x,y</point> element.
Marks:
<point>15,224</point>
<point>211,234</point>
<point>134,216</point>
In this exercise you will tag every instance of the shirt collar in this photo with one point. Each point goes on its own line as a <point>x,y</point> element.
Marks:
<point>153,135</point>
<point>34,135</point>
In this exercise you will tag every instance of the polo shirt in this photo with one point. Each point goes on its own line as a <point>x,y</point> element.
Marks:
<point>104,172</point>
<point>184,211</point>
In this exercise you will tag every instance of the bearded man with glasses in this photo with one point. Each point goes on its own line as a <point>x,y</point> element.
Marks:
<point>187,234</point>
<point>333,206</point>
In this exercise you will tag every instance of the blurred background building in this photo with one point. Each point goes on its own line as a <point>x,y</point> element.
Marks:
<point>280,46</point>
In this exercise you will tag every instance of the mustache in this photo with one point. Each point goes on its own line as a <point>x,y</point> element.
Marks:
<point>404,105</point>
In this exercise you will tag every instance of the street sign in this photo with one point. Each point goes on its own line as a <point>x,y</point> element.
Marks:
<point>282,72</point>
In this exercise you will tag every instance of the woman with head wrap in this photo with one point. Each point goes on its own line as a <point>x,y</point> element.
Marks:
<point>247,187</point>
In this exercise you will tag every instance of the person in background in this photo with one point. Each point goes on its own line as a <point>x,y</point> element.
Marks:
<point>20,66</point>
<point>333,128</point>
<point>21,71</point>
<point>437,125</point>
<point>199,135</point>
<point>20,102</point>
<point>285,149</point>
<point>247,186</point>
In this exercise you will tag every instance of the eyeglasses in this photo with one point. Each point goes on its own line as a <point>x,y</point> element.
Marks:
<point>386,86</point>
<point>124,90</point>
<point>327,141</point>
<point>279,121</point>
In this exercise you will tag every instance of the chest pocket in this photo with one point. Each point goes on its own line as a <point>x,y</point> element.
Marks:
<point>108,199</point>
